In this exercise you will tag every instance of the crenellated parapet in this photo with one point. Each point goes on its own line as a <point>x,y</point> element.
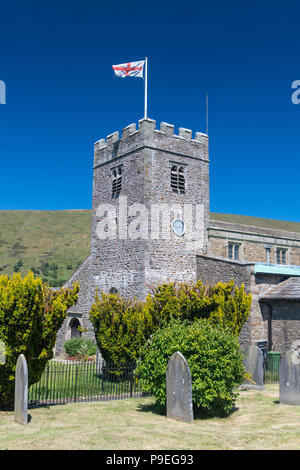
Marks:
<point>148,135</point>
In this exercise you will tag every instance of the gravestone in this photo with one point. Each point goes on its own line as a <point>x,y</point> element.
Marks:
<point>2,353</point>
<point>100,363</point>
<point>179,389</point>
<point>254,364</point>
<point>289,378</point>
<point>21,391</point>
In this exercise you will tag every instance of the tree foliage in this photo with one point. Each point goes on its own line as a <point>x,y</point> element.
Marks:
<point>222,303</point>
<point>31,314</point>
<point>123,326</point>
<point>214,357</point>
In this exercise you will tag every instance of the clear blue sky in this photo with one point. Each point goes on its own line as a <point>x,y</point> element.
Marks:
<point>56,59</point>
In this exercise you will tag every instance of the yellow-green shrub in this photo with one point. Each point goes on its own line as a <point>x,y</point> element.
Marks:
<point>222,303</point>
<point>123,326</point>
<point>30,317</point>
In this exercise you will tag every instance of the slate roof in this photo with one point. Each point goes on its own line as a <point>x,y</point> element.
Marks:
<point>286,290</point>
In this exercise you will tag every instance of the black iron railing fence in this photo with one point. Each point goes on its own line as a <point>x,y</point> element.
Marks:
<point>80,381</point>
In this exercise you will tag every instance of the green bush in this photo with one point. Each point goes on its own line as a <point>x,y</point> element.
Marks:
<point>30,317</point>
<point>80,347</point>
<point>214,357</point>
<point>18,266</point>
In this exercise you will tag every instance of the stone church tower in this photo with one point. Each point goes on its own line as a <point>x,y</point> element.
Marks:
<point>150,199</point>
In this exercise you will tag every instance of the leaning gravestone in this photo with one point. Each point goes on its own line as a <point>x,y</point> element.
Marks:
<point>289,378</point>
<point>179,389</point>
<point>254,364</point>
<point>21,391</point>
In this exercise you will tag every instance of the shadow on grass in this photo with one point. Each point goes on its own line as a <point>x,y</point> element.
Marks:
<point>199,414</point>
<point>154,408</point>
<point>160,410</point>
<point>7,407</point>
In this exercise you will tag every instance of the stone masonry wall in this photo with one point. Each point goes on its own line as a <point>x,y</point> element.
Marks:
<point>133,266</point>
<point>252,242</point>
<point>260,283</point>
<point>211,270</point>
<point>285,324</point>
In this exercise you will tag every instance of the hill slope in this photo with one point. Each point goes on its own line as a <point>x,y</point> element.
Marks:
<point>257,222</point>
<point>55,243</point>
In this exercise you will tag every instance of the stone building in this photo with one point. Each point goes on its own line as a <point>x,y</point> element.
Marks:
<point>151,224</point>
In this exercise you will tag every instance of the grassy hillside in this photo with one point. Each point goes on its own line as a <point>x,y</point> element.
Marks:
<point>52,243</point>
<point>55,243</point>
<point>257,222</point>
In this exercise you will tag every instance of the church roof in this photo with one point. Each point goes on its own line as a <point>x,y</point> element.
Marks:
<point>284,269</point>
<point>286,290</point>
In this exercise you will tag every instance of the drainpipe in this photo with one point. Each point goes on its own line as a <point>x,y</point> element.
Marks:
<point>268,250</point>
<point>270,313</point>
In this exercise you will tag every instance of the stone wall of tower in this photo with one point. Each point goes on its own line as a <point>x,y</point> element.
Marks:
<point>146,154</point>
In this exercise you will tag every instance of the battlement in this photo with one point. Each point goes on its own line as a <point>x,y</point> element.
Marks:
<point>148,135</point>
<point>150,125</point>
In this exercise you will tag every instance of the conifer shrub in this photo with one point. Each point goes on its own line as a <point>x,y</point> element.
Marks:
<point>222,303</point>
<point>30,316</point>
<point>123,326</point>
<point>214,357</point>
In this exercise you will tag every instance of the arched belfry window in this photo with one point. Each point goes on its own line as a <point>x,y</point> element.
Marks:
<point>178,179</point>
<point>116,179</point>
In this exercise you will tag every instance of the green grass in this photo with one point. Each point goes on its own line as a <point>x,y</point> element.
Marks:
<point>259,421</point>
<point>55,243</point>
<point>43,240</point>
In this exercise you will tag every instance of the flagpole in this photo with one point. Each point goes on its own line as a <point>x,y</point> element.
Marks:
<point>207,113</point>
<point>146,86</point>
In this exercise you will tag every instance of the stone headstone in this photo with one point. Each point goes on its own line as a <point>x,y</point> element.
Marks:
<point>100,363</point>
<point>2,353</point>
<point>21,391</point>
<point>289,378</point>
<point>254,364</point>
<point>179,389</point>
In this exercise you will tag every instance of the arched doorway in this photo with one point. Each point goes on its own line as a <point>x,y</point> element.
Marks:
<point>74,325</point>
<point>113,290</point>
